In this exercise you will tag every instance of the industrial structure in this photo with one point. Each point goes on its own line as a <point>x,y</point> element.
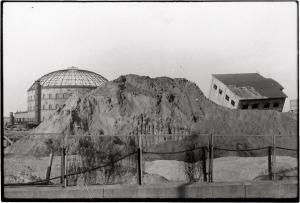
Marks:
<point>246,91</point>
<point>294,105</point>
<point>50,91</point>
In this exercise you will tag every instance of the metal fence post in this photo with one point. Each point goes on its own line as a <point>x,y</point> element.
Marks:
<point>204,163</point>
<point>270,162</point>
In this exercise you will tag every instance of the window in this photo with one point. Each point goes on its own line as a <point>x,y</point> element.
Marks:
<point>49,96</point>
<point>254,106</point>
<point>43,118</point>
<point>245,106</point>
<point>266,105</point>
<point>50,106</point>
<point>44,107</point>
<point>220,91</point>
<point>276,105</point>
<point>215,87</point>
<point>43,96</point>
<point>227,97</point>
<point>232,102</point>
<point>56,107</point>
<point>64,95</point>
<point>57,96</point>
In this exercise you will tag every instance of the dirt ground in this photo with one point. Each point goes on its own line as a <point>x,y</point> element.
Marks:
<point>226,169</point>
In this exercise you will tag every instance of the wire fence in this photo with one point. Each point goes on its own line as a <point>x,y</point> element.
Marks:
<point>121,159</point>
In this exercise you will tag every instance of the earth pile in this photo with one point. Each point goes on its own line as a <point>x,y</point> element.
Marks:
<point>115,107</point>
<point>120,106</point>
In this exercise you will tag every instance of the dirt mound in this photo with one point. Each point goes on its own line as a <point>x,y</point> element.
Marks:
<point>160,105</point>
<point>118,106</point>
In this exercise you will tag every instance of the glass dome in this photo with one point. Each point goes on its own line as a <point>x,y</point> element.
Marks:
<point>71,77</point>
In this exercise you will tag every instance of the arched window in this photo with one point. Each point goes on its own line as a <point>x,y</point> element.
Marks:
<point>50,106</point>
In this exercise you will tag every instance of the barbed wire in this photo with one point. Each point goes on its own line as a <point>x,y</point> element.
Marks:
<point>283,148</point>
<point>176,152</point>
<point>254,149</point>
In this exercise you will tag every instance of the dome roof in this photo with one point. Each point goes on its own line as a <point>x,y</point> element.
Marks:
<point>71,77</point>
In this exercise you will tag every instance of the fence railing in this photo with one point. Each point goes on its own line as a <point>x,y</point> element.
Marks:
<point>206,151</point>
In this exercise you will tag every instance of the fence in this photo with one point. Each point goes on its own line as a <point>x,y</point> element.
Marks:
<point>100,159</point>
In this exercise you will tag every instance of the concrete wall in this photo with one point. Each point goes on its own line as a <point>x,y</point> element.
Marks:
<point>220,99</point>
<point>259,189</point>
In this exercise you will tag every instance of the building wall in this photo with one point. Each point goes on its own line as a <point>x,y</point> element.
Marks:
<point>24,116</point>
<point>51,99</point>
<point>220,99</point>
<point>261,104</point>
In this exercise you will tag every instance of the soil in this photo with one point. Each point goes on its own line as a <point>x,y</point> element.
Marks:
<point>158,105</point>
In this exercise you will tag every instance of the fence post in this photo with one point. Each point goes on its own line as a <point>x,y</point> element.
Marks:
<point>62,172</point>
<point>48,172</point>
<point>274,159</point>
<point>212,158</point>
<point>270,162</point>
<point>204,163</point>
<point>140,161</point>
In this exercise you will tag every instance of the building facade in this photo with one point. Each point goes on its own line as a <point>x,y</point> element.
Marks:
<point>55,88</point>
<point>246,91</point>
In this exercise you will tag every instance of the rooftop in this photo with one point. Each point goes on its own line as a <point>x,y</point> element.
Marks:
<point>71,77</point>
<point>251,85</point>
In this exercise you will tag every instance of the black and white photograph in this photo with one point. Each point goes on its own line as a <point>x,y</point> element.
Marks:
<point>150,100</point>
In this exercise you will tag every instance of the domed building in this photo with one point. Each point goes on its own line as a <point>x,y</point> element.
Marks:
<point>51,91</point>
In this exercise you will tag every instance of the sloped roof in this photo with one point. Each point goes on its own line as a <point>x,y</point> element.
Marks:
<point>247,85</point>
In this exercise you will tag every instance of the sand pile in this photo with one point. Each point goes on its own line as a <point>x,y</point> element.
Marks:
<point>226,168</point>
<point>162,104</point>
<point>116,107</point>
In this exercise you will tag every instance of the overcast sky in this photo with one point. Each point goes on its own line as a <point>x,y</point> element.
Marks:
<point>189,40</point>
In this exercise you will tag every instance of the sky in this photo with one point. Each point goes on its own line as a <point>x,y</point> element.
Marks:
<point>189,40</point>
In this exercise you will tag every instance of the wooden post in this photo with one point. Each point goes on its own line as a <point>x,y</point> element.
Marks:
<point>209,158</point>
<point>274,159</point>
<point>66,171</point>
<point>140,172</point>
<point>270,162</point>
<point>204,164</point>
<point>48,172</point>
<point>212,158</point>
<point>62,171</point>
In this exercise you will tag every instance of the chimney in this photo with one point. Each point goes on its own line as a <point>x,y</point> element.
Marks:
<point>37,98</point>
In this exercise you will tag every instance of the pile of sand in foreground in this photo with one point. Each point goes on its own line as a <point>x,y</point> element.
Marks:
<point>224,169</point>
